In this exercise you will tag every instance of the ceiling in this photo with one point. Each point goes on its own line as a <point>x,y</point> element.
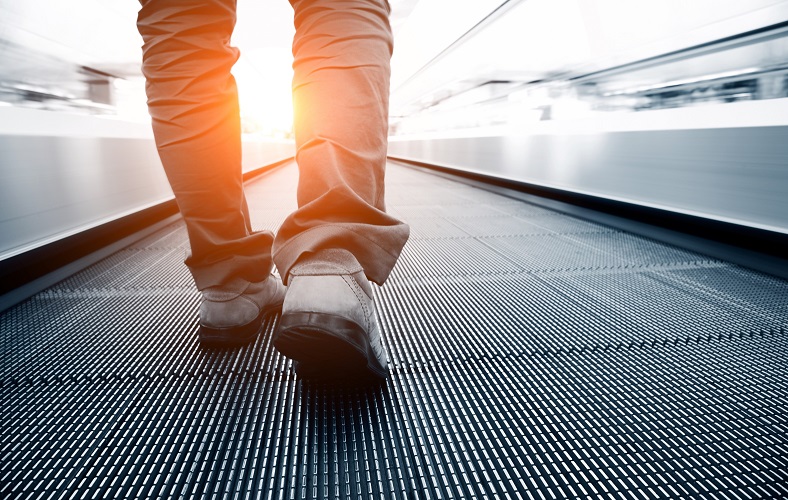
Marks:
<point>536,40</point>
<point>440,45</point>
<point>102,33</point>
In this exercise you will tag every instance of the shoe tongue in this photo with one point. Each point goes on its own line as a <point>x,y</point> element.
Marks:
<point>218,295</point>
<point>336,256</point>
<point>330,261</point>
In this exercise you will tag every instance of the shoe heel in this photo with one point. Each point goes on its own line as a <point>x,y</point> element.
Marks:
<point>326,346</point>
<point>231,337</point>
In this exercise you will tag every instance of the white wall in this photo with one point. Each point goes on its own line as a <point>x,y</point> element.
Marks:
<point>728,163</point>
<point>61,173</point>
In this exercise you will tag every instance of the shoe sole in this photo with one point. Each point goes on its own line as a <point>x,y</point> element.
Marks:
<point>235,336</point>
<point>327,347</point>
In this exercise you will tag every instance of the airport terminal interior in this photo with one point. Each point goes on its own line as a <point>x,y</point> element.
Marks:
<point>593,302</point>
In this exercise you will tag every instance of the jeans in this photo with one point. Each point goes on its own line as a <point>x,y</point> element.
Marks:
<point>342,50</point>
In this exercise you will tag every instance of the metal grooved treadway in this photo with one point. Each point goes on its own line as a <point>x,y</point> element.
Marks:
<point>534,355</point>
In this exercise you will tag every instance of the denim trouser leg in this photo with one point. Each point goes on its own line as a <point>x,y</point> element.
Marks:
<point>192,99</point>
<point>342,51</point>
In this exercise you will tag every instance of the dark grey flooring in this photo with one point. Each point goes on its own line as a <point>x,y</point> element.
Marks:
<point>534,355</point>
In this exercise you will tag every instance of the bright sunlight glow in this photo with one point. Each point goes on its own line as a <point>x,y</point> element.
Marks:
<point>264,77</point>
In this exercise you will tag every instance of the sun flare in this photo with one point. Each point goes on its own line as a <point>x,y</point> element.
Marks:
<point>264,79</point>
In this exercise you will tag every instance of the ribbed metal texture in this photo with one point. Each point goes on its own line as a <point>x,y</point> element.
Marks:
<point>534,355</point>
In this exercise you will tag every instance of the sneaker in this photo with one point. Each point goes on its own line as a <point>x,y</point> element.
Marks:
<point>329,326</point>
<point>229,319</point>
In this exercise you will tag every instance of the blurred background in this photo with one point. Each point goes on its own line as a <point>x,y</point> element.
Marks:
<point>76,148</point>
<point>518,63</point>
<point>456,65</point>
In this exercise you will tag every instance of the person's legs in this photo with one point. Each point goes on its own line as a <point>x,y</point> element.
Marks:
<point>193,102</point>
<point>342,50</point>
<point>340,236</point>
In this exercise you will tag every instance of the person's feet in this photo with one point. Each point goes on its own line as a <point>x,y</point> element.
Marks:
<point>329,326</point>
<point>229,319</point>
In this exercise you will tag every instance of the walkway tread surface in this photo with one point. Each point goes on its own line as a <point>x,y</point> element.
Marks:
<point>534,355</point>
